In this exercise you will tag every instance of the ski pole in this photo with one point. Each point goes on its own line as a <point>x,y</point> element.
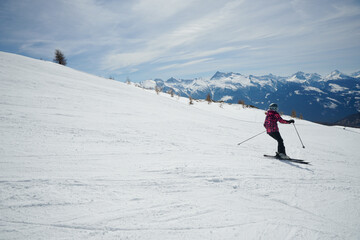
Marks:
<point>251,137</point>
<point>299,136</point>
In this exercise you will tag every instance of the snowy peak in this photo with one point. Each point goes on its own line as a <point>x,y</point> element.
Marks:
<point>301,77</point>
<point>356,74</point>
<point>230,75</point>
<point>298,77</point>
<point>219,75</point>
<point>172,80</point>
<point>149,84</point>
<point>336,75</point>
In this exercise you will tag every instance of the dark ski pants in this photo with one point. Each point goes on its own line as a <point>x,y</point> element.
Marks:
<point>278,138</point>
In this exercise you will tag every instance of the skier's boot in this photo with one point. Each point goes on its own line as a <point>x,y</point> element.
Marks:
<point>282,156</point>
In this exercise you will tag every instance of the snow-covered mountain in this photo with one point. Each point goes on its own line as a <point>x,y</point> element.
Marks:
<point>317,98</point>
<point>83,157</point>
<point>356,74</point>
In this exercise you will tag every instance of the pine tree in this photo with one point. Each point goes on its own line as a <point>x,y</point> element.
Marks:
<point>242,102</point>
<point>158,90</point>
<point>293,114</point>
<point>59,57</point>
<point>208,98</point>
<point>171,92</point>
<point>191,100</point>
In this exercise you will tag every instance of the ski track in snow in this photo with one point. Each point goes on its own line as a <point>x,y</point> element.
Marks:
<point>83,157</point>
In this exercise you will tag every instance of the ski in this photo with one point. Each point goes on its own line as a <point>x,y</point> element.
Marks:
<point>290,160</point>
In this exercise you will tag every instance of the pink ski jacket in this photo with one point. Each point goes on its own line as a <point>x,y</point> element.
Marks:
<point>271,120</point>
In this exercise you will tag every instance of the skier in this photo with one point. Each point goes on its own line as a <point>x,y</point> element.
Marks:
<point>272,117</point>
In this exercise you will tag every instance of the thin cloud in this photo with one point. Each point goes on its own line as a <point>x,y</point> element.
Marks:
<point>124,60</point>
<point>180,65</point>
<point>157,37</point>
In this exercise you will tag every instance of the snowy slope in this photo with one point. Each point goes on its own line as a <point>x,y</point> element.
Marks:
<point>82,157</point>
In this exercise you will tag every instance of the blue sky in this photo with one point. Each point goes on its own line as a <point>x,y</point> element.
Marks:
<point>148,39</point>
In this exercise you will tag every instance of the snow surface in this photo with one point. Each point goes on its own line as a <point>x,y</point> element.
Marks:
<point>82,157</point>
<point>335,75</point>
<point>309,88</point>
<point>226,98</point>
<point>240,79</point>
<point>295,79</point>
<point>336,88</point>
<point>149,84</point>
<point>330,105</point>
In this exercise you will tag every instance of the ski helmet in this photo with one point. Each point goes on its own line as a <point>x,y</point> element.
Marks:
<point>273,107</point>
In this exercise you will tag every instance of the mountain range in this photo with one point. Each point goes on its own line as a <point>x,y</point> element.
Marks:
<point>316,98</point>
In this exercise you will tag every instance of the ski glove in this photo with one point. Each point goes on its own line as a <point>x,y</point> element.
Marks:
<point>291,121</point>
